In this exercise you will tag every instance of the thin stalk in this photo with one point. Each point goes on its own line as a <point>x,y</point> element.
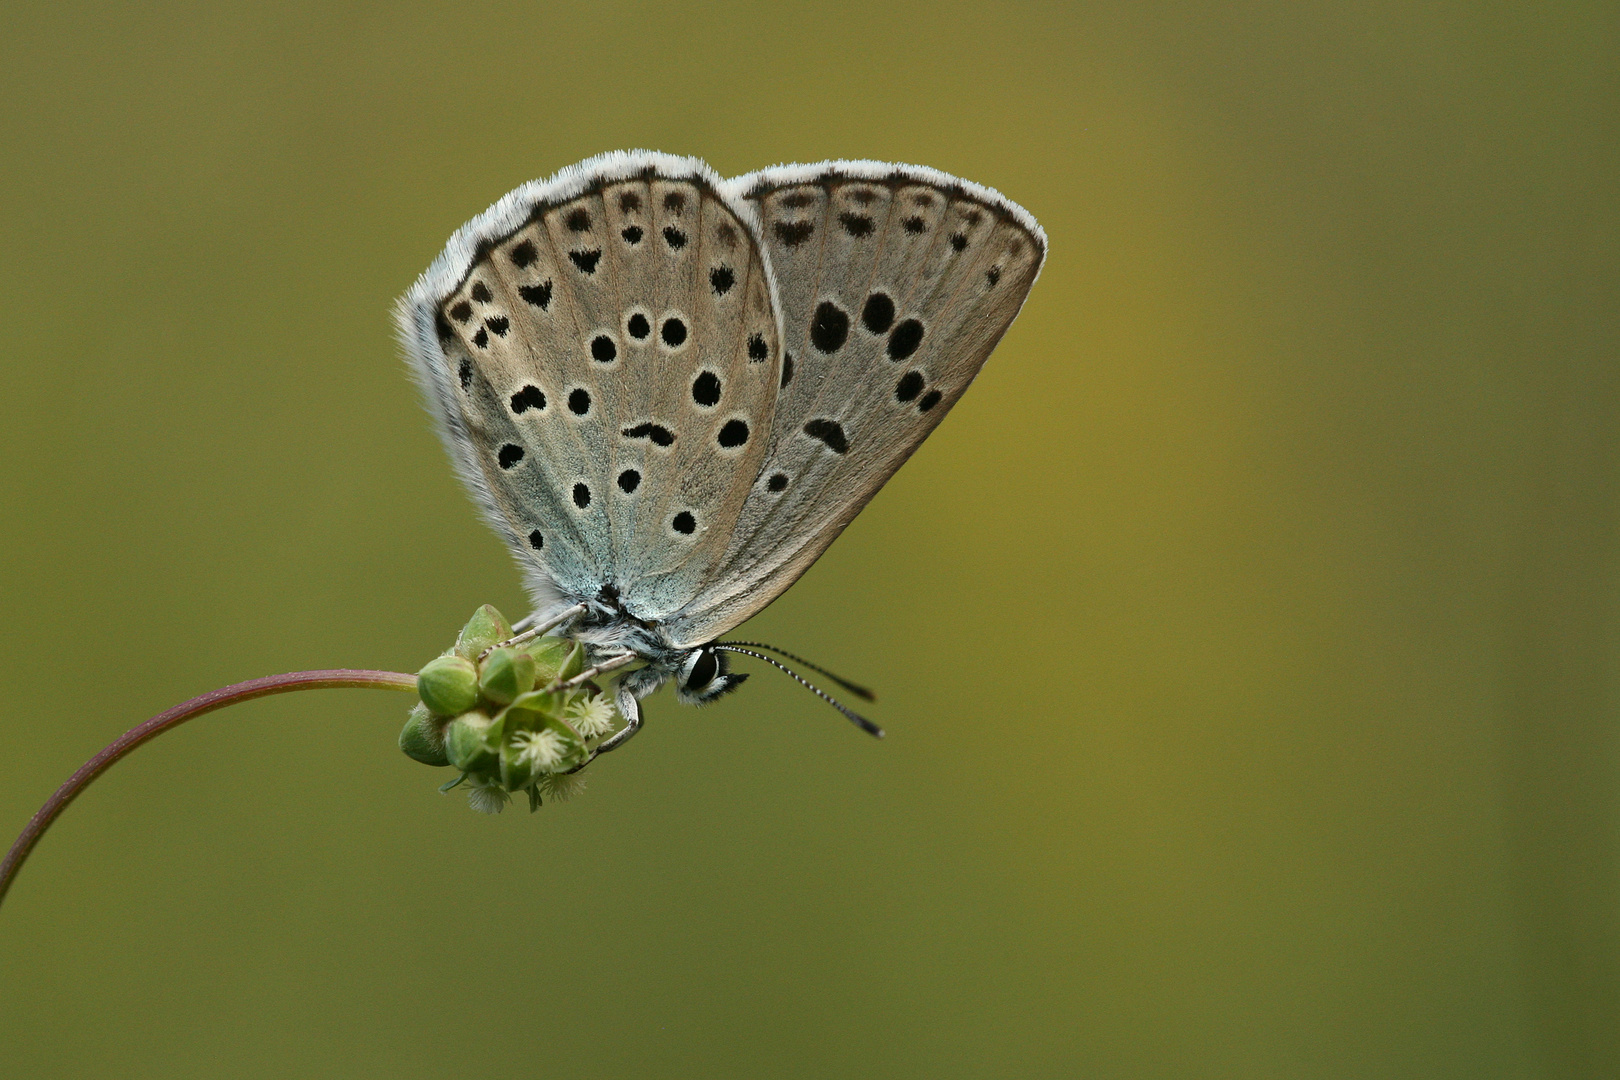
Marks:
<point>214,699</point>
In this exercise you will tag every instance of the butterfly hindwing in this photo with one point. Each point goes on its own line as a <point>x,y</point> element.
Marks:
<point>895,284</point>
<point>603,360</point>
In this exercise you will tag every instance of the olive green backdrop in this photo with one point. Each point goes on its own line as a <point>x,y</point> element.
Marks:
<point>1247,638</point>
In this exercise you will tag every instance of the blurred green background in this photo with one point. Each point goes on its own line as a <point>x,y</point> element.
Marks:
<point>1247,638</point>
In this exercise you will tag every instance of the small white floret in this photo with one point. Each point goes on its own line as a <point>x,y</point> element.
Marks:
<point>541,749</point>
<point>487,796</point>
<point>592,716</point>
<point>561,786</point>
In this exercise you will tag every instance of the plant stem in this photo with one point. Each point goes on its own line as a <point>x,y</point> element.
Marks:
<point>214,699</point>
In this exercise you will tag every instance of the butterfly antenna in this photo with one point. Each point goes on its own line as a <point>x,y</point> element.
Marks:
<point>855,688</point>
<point>854,717</point>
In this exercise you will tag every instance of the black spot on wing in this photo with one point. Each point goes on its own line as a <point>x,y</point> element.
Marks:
<point>629,201</point>
<point>928,401</point>
<point>586,260</point>
<point>830,432</point>
<point>905,339</point>
<point>498,325</point>
<point>829,328</point>
<point>462,311</point>
<point>733,434</point>
<point>721,279</point>
<point>792,234</point>
<point>629,480</point>
<point>878,314</point>
<point>909,386</point>
<point>684,523</point>
<point>465,372</point>
<point>528,398</point>
<point>857,225</point>
<point>582,496</point>
<point>523,254</point>
<point>660,435</point>
<point>706,389</point>
<point>510,455</point>
<point>638,326</point>
<point>536,541</point>
<point>757,349</point>
<point>579,220</point>
<point>674,238</point>
<point>603,351</point>
<point>673,332</point>
<point>579,401</point>
<point>536,295</point>
<point>481,293</point>
<point>777,482</point>
<point>632,234</point>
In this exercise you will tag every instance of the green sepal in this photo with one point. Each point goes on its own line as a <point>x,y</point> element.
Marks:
<point>443,788</point>
<point>516,773</point>
<point>551,655</point>
<point>534,798</point>
<point>487,627</point>
<point>574,664</point>
<point>542,703</point>
<point>506,674</point>
<point>448,685</point>
<point>422,738</point>
<point>536,711</point>
<point>468,743</point>
<point>527,713</point>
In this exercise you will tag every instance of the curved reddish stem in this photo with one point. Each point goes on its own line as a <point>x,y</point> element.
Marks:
<point>214,699</point>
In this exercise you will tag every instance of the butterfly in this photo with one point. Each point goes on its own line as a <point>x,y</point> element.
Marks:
<point>669,392</point>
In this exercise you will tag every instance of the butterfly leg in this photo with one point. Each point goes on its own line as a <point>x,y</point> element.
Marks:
<point>535,630</point>
<point>592,672</point>
<point>630,709</point>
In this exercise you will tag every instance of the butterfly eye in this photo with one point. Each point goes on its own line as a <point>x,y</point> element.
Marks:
<point>705,666</point>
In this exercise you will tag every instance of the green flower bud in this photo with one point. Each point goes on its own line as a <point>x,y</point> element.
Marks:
<point>423,737</point>
<point>506,675</point>
<point>471,742</point>
<point>487,627</point>
<point>448,685</point>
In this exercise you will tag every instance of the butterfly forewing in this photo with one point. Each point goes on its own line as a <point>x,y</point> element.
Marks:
<point>612,362</point>
<point>895,284</point>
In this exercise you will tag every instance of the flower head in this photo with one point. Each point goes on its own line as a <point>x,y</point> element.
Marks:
<point>541,749</point>
<point>561,786</point>
<point>486,795</point>
<point>591,716</point>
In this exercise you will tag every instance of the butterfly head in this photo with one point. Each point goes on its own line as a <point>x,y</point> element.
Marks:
<point>704,676</point>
